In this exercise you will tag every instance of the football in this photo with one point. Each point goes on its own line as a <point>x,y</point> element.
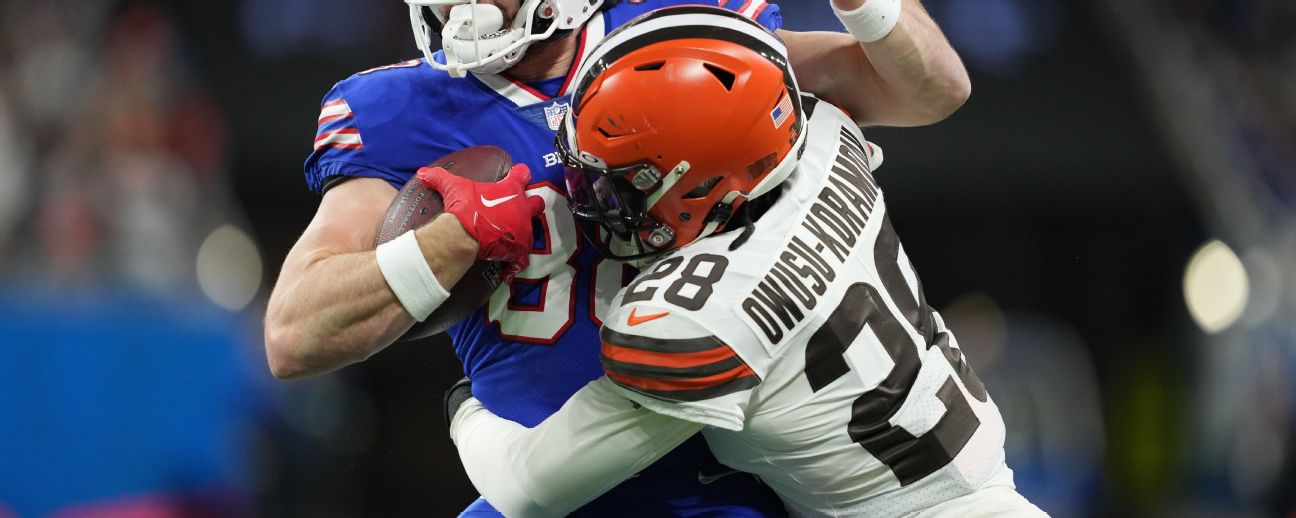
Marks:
<point>417,205</point>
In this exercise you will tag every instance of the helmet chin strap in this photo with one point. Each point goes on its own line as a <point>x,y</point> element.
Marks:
<point>463,42</point>
<point>716,219</point>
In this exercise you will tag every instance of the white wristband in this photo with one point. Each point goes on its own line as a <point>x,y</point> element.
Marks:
<point>411,279</point>
<point>871,21</point>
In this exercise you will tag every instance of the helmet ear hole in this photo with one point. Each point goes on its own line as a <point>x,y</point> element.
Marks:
<point>704,188</point>
<point>613,134</point>
<point>725,77</point>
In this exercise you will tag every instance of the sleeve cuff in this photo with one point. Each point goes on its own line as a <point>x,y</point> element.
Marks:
<point>324,175</point>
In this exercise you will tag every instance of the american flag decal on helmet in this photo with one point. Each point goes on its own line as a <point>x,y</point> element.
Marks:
<point>783,111</point>
<point>337,127</point>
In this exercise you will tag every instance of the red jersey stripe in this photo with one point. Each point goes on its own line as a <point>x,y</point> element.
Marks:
<point>663,359</point>
<point>671,385</point>
<point>345,138</point>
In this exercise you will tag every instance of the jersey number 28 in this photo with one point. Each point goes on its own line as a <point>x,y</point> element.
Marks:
<point>910,457</point>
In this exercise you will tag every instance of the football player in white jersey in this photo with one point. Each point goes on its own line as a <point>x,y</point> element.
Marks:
<point>779,316</point>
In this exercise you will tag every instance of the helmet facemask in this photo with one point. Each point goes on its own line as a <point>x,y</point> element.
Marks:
<point>612,204</point>
<point>475,39</point>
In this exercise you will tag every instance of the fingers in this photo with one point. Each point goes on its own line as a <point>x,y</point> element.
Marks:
<point>520,174</point>
<point>536,204</point>
<point>515,267</point>
<point>434,177</point>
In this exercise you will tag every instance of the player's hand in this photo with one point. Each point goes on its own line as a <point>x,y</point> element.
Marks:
<point>498,215</point>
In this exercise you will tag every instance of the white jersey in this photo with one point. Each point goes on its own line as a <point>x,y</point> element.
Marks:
<point>809,350</point>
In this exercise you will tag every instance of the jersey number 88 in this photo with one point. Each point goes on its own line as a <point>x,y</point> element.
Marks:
<point>552,272</point>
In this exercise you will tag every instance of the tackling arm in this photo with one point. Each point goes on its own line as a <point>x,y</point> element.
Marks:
<point>594,442</point>
<point>331,306</point>
<point>910,77</point>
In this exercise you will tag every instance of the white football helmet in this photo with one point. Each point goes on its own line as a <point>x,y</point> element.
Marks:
<point>473,35</point>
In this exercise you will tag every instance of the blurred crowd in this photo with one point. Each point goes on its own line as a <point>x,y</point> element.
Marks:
<point>1247,50</point>
<point>126,384</point>
<point>115,167</point>
<point>1250,46</point>
<point>1222,74</point>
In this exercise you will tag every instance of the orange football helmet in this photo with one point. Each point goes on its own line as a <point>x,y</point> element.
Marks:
<point>679,117</point>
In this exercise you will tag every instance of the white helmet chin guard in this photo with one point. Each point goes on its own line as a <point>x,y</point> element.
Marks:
<point>473,35</point>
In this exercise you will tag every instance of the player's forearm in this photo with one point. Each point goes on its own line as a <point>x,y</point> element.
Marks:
<point>489,446</point>
<point>918,68</point>
<point>338,312</point>
<point>910,77</point>
<point>593,443</point>
<point>331,310</point>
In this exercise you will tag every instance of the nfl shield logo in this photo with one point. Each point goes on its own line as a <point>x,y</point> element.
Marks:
<point>554,114</point>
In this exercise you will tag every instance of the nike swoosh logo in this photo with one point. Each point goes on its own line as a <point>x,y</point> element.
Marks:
<point>635,319</point>
<point>492,203</point>
<point>707,479</point>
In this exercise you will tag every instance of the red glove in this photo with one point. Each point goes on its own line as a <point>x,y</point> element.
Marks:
<point>498,215</point>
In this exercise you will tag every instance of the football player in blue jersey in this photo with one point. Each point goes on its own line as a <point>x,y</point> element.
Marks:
<point>503,79</point>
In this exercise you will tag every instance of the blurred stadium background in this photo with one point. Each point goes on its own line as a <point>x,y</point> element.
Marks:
<point>1108,225</point>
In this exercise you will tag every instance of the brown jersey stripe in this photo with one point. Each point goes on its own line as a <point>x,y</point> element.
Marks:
<point>665,345</point>
<point>678,384</point>
<point>658,371</point>
<point>694,394</point>
<point>665,359</point>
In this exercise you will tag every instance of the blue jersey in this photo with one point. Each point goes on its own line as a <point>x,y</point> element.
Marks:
<point>536,342</point>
